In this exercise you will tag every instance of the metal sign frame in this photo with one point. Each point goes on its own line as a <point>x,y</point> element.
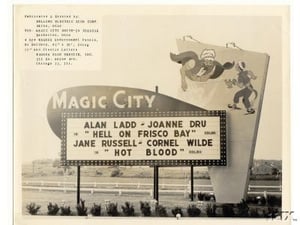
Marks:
<point>160,162</point>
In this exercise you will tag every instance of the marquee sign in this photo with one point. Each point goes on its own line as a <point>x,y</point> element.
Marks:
<point>100,125</point>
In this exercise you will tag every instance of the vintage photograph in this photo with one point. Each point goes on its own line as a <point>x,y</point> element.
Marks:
<point>151,112</point>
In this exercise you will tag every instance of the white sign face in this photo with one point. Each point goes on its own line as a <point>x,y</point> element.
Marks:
<point>237,85</point>
<point>144,138</point>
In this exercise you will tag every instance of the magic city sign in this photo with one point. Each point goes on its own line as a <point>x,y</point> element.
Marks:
<point>104,125</point>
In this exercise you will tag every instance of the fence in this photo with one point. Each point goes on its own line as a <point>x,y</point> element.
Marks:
<point>137,188</point>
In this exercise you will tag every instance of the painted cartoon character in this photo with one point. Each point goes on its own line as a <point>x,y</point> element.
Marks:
<point>199,69</point>
<point>244,82</point>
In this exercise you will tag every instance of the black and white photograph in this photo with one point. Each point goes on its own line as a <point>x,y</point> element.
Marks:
<point>151,113</point>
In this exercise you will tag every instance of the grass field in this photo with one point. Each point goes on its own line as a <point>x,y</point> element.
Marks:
<point>69,198</point>
<point>137,175</point>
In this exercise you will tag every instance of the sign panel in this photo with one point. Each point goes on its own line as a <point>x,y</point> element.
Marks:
<point>111,125</point>
<point>144,138</point>
<point>231,79</point>
<point>110,99</point>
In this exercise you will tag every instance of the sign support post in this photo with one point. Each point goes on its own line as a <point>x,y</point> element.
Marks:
<point>155,175</point>
<point>155,189</point>
<point>192,183</point>
<point>78,184</point>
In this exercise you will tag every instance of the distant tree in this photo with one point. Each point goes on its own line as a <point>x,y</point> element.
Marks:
<point>67,169</point>
<point>56,163</point>
<point>251,171</point>
<point>116,172</point>
<point>275,171</point>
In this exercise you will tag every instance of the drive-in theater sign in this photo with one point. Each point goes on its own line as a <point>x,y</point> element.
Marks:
<point>214,124</point>
<point>102,125</point>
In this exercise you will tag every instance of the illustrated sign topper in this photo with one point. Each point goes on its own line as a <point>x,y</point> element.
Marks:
<point>100,125</point>
<point>231,79</point>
